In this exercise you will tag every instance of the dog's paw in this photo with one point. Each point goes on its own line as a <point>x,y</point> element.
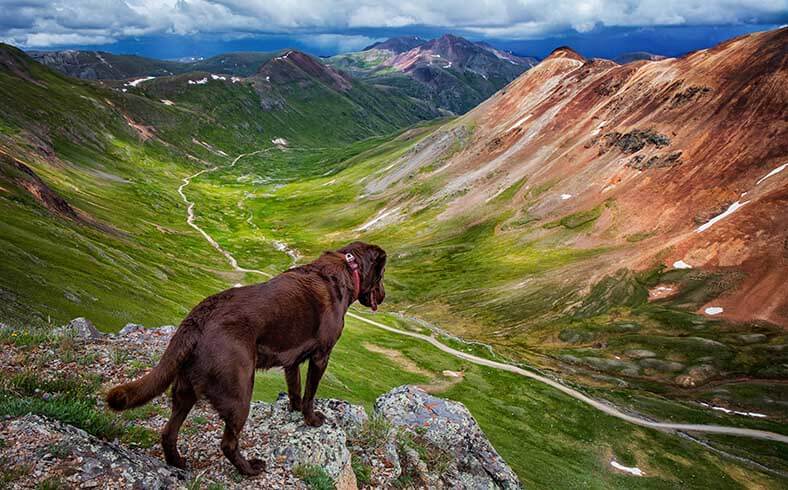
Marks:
<point>257,465</point>
<point>178,462</point>
<point>314,419</point>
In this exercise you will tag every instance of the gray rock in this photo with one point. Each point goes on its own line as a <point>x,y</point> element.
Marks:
<point>450,426</point>
<point>130,328</point>
<point>639,353</point>
<point>166,329</point>
<point>753,338</point>
<point>291,442</point>
<point>79,327</point>
<point>696,376</point>
<point>661,366</point>
<point>112,462</point>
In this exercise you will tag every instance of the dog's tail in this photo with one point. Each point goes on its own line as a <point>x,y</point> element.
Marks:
<point>141,391</point>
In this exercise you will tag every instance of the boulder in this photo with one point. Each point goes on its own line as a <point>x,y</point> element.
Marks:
<point>79,327</point>
<point>93,459</point>
<point>130,328</point>
<point>290,442</point>
<point>447,425</point>
<point>696,376</point>
<point>165,330</point>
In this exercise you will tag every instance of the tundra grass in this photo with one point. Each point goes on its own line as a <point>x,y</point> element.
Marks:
<point>550,439</point>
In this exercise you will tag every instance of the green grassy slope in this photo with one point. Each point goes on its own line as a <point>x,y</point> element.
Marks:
<point>89,146</point>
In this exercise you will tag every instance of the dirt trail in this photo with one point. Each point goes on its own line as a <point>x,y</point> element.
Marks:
<point>209,238</point>
<point>599,405</point>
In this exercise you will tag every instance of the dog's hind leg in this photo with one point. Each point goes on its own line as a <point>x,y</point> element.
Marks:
<point>183,399</point>
<point>231,397</point>
<point>293,377</point>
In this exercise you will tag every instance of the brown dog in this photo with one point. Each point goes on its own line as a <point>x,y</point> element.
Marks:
<point>297,315</point>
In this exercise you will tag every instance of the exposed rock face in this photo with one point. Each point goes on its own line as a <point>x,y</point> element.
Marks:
<point>94,463</point>
<point>291,442</point>
<point>81,328</point>
<point>424,441</point>
<point>450,426</point>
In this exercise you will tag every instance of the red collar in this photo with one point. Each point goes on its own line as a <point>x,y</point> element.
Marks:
<point>351,262</point>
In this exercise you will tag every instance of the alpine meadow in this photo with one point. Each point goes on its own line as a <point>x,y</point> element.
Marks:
<point>585,255</point>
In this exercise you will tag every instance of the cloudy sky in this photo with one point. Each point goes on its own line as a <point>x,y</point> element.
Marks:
<point>175,28</point>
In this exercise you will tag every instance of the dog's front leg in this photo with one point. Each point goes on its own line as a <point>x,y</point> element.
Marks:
<point>317,366</point>
<point>293,377</point>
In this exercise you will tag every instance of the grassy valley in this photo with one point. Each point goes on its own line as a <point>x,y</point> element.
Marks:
<point>92,225</point>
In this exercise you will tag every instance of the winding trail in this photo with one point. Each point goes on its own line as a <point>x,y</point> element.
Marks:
<point>209,238</point>
<point>598,405</point>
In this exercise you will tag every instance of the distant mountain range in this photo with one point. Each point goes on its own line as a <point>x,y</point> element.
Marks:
<point>100,65</point>
<point>451,72</point>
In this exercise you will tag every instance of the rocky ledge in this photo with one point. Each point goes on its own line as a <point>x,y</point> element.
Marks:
<point>410,440</point>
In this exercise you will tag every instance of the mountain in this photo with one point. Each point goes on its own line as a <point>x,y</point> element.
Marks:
<point>625,58</point>
<point>451,72</point>
<point>293,96</point>
<point>100,165</point>
<point>397,44</point>
<point>615,232</point>
<point>576,147</point>
<point>99,65</point>
<point>618,224</point>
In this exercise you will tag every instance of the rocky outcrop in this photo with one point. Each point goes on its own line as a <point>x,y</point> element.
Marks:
<point>41,445</point>
<point>81,328</point>
<point>445,425</point>
<point>411,438</point>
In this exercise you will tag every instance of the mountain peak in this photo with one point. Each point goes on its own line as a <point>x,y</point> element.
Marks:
<point>398,44</point>
<point>294,66</point>
<point>565,52</point>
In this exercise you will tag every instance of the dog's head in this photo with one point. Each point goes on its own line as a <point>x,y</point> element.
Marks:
<point>372,265</point>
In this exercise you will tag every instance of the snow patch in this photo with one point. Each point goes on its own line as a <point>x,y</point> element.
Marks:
<point>731,209</point>
<point>201,81</point>
<point>519,122</point>
<point>279,141</point>
<point>598,128</point>
<point>632,470</point>
<point>772,173</point>
<point>680,264</point>
<point>138,81</point>
<point>735,412</point>
<point>235,79</point>
<point>713,310</point>
<point>218,77</point>
<point>381,215</point>
<point>237,285</point>
<point>564,197</point>
<point>167,102</point>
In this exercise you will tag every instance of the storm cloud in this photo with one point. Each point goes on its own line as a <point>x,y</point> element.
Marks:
<point>43,23</point>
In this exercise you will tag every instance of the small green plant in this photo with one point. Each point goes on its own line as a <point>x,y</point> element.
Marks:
<point>9,474</point>
<point>198,484</point>
<point>88,359</point>
<point>60,450</point>
<point>136,367</point>
<point>362,470</point>
<point>52,483</point>
<point>119,356</point>
<point>374,433</point>
<point>24,337</point>
<point>314,476</point>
